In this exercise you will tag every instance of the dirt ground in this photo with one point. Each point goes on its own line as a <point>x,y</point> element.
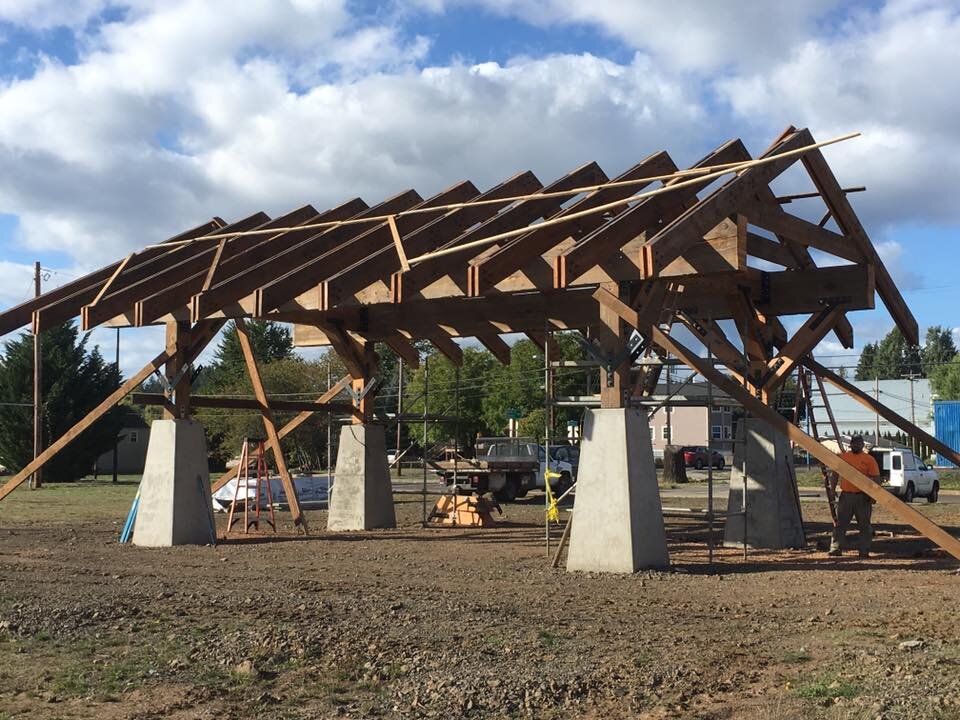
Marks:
<point>462,623</point>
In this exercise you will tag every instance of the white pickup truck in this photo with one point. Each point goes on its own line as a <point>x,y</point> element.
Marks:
<point>905,475</point>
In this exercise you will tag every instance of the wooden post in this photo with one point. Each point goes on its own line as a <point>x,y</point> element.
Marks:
<point>399,412</point>
<point>273,437</point>
<point>36,481</point>
<point>178,337</point>
<point>613,340</point>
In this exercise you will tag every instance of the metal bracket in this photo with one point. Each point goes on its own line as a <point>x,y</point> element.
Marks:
<point>610,362</point>
<point>169,385</point>
<point>357,397</point>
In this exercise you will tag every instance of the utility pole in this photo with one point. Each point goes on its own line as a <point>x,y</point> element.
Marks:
<point>116,442</point>
<point>876,420</point>
<point>399,411</point>
<point>913,414</point>
<point>36,481</point>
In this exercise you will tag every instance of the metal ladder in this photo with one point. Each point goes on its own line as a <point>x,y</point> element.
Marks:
<point>805,391</point>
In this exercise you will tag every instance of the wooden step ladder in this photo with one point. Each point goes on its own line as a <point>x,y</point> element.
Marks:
<point>243,480</point>
<point>805,395</point>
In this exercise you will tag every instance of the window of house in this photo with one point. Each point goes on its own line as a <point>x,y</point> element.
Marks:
<point>715,432</point>
<point>727,432</point>
<point>665,432</point>
<point>134,436</point>
<point>725,409</point>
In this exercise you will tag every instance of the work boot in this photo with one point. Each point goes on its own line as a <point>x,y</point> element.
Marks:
<point>864,553</point>
<point>835,552</point>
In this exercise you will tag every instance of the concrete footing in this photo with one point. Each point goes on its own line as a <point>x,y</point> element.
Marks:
<point>175,503</point>
<point>617,517</point>
<point>362,495</point>
<point>773,508</point>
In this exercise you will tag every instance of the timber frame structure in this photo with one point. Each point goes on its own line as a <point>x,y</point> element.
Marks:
<point>622,260</point>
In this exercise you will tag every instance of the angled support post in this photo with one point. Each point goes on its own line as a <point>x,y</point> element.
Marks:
<point>273,437</point>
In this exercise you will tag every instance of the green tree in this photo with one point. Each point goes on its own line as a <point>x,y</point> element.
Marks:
<point>945,380</point>
<point>865,366</point>
<point>270,341</point>
<point>75,380</point>
<point>892,358</point>
<point>938,348</point>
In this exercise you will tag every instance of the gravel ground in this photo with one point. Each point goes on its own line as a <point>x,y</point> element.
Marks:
<point>469,623</point>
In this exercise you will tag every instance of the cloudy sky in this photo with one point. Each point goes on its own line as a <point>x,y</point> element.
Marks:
<point>122,123</point>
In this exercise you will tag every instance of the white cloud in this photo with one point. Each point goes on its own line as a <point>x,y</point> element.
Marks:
<point>45,14</point>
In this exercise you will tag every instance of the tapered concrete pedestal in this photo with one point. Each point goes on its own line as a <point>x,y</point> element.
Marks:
<point>175,503</point>
<point>773,508</point>
<point>617,518</point>
<point>362,496</point>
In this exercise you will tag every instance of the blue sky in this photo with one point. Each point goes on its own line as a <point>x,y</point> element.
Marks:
<point>122,123</point>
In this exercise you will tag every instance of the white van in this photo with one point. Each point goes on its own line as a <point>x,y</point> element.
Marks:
<point>905,475</point>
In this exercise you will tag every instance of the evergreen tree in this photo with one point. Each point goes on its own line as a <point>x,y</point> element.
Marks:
<point>938,348</point>
<point>75,381</point>
<point>270,341</point>
<point>945,380</point>
<point>865,366</point>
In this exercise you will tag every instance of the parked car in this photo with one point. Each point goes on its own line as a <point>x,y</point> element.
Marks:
<point>906,475</point>
<point>696,456</point>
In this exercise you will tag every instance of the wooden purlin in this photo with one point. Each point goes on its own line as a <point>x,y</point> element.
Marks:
<point>646,215</point>
<point>489,269</point>
<point>689,227</point>
<point>244,269</point>
<point>847,220</point>
<point>407,284</point>
<point>181,295</point>
<point>378,266</point>
<point>305,275</point>
<point>779,423</point>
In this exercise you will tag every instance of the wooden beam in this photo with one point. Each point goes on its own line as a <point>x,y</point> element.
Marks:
<point>199,401</point>
<point>71,296</point>
<point>407,284</point>
<point>779,423</point>
<point>503,261</point>
<point>291,426</point>
<point>497,347</point>
<point>402,347</point>
<point>769,250</point>
<point>378,266</point>
<point>267,259</point>
<point>774,218</point>
<point>273,438</point>
<point>847,220</point>
<point>447,347</point>
<point>875,407</point>
<point>802,342</point>
<point>141,279</point>
<point>646,215</point>
<point>673,240</point>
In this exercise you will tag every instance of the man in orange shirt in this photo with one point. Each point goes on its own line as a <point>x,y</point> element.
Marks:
<point>853,502</point>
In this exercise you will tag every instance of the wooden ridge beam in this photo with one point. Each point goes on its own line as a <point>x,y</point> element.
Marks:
<point>779,423</point>
<point>882,410</point>
<point>377,267</point>
<point>847,220</point>
<point>673,240</point>
<point>488,270</point>
<point>406,284</point>
<point>244,269</point>
<point>292,425</point>
<point>646,215</point>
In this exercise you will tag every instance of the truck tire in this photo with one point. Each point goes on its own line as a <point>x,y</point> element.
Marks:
<point>934,493</point>
<point>563,484</point>
<point>509,491</point>
<point>909,493</point>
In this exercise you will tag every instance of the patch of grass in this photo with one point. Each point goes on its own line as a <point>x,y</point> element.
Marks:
<point>796,656</point>
<point>69,503</point>
<point>949,480</point>
<point>547,638</point>
<point>826,686</point>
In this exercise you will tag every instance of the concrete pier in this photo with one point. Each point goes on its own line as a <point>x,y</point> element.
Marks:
<point>362,495</point>
<point>617,517</point>
<point>773,508</point>
<point>175,504</point>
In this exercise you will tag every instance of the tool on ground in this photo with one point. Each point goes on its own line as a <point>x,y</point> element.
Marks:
<point>244,479</point>
<point>464,510</point>
<point>553,513</point>
<point>127,531</point>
